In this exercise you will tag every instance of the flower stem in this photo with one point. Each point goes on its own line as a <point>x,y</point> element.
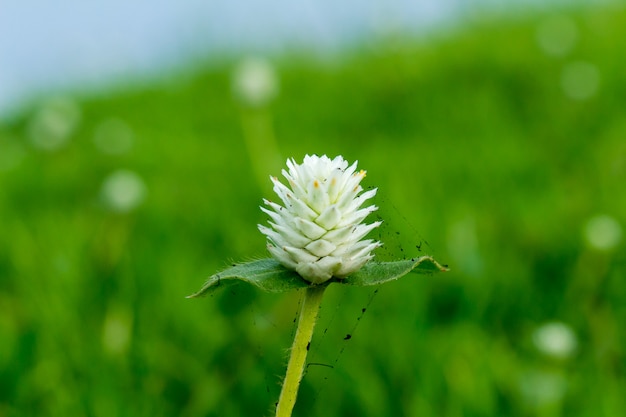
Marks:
<point>299,349</point>
<point>261,144</point>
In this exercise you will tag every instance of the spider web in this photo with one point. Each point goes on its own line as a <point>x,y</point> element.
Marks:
<point>343,310</point>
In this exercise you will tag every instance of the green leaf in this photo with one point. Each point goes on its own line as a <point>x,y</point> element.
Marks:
<point>269,275</point>
<point>376,273</point>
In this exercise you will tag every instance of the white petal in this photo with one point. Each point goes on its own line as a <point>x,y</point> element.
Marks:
<point>335,184</point>
<point>345,178</point>
<point>286,218</point>
<point>293,169</point>
<point>362,250</point>
<point>310,229</point>
<point>277,208</point>
<point>339,162</point>
<point>348,248</point>
<point>346,197</point>
<point>363,229</point>
<point>320,247</point>
<point>352,183</point>
<point>293,237</point>
<point>281,256</point>
<point>329,217</point>
<point>301,209</point>
<point>358,201</point>
<point>352,241</point>
<point>279,218</point>
<point>348,172</point>
<point>357,217</point>
<point>305,173</point>
<point>350,266</point>
<point>338,235</point>
<point>273,236</point>
<point>330,262</point>
<point>317,196</point>
<point>319,272</point>
<point>313,273</point>
<point>282,191</point>
<point>295,185</point>
<point>300,255</point>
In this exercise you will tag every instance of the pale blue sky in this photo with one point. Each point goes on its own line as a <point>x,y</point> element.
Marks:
<point>48,45</point>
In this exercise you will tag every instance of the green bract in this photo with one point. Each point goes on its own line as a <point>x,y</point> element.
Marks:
<point>269,275</point>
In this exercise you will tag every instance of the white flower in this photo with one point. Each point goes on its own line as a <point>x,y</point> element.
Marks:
<point>319,229</point>
<point>580,80</point>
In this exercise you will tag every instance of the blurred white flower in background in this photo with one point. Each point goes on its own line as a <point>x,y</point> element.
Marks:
<point>557,35</point>
<point>114,137</point>
<point>117,330</point>
<point>580,80</point>
<point>123,190</point>
<point>53,124</point>
<point>463,245</point>
<point>603,232</point>
<point>255,82</point>
<point>555,339</point>
<point>542,388</point>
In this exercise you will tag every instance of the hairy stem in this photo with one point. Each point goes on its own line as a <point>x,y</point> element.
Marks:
<point>299,349</point>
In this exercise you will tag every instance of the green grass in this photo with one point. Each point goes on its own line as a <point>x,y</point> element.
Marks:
<point>474,147</point>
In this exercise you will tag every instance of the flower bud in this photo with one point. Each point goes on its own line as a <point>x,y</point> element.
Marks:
<point>318,230</point>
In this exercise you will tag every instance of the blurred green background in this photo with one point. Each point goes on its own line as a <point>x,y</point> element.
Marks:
<point>499,148</point>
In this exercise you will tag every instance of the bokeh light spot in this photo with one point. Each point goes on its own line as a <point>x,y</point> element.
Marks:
<point>53,124</point>
<point>116,331</point>
<point>123,191</point>
<point>463,245</point>
<point>603,232</point>
<point>580,80</point>
<point>557,35</point>
<point>555,339</point>
<point>540,388</point>
<point>255,82</point>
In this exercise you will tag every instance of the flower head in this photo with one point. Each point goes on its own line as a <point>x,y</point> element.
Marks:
<point>318,230</point>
